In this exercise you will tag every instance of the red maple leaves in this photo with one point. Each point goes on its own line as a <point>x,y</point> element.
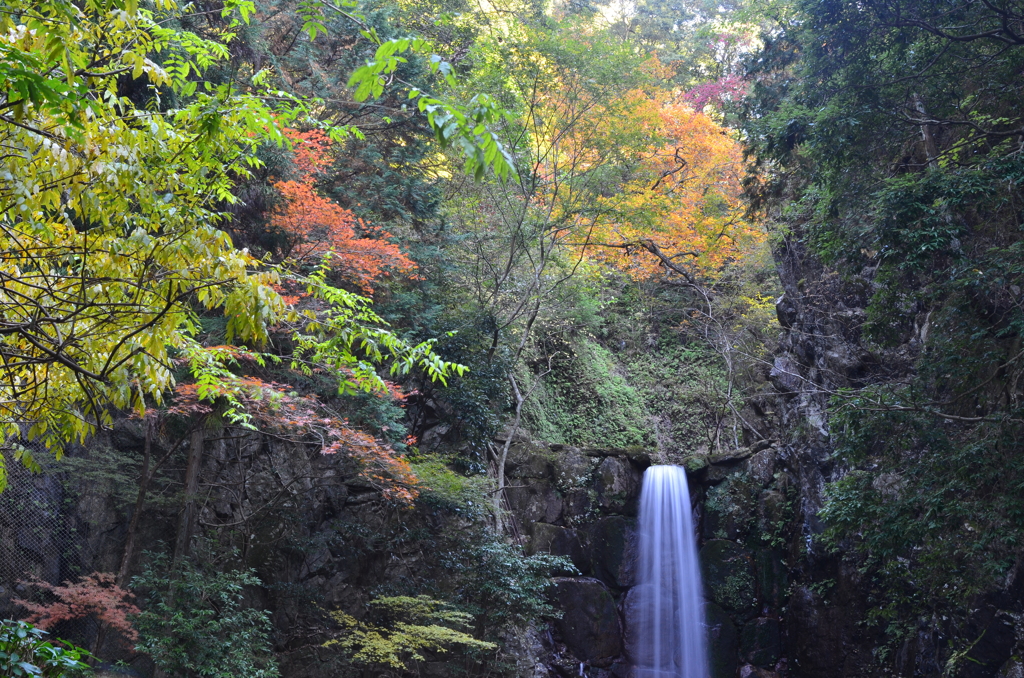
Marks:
<point>94,594</point>
<point>314,226</point>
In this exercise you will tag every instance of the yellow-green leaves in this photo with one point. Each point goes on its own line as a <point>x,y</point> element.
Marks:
<point>109,213</point>
<point>407,627</point>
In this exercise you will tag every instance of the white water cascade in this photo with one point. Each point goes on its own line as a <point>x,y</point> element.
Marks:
<point>669,614</point>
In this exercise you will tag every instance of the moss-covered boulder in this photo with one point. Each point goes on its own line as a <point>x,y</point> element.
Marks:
<point>728,572</point>
<point>529,460</point>
<point>723,645</point>
<point>590,624</point>
<point>761,642</point>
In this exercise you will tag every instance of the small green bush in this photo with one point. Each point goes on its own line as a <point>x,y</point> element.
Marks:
<point>25,652</point>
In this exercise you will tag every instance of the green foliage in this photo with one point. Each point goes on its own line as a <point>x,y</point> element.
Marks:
<point>195,622</point>
<point>587,400</point>
<point>404,627</point>
<point>24,652</point>
<point>506,588</point>
<point>886,138</point>
<point>112,209</point>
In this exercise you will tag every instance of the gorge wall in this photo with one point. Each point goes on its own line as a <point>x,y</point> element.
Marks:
<point>781,603</point>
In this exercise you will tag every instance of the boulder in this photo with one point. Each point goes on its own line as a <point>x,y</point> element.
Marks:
<point>534,501</point>
<point>573,469</point>
<point>722,642</point>
<point>590,624</point>
<point>762,466</point>
<point>786,311</point>
<point>559,541</point>
<point>613,550</point>
<point>785,374</point>
<point>761,642</point>
<point>618,485</point>
<point>728,572</point>
<point>529,460</point>
<point>749,671</point>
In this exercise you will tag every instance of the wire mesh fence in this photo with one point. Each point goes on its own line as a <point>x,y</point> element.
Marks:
<point>42,538</point>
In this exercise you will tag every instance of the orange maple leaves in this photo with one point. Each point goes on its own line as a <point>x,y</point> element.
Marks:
<point>282,413</point>
<point>692,208</point>
<point>314,226</point>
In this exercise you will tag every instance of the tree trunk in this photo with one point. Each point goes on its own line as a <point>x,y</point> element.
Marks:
<point>186,524</point>
<point>140,502</point>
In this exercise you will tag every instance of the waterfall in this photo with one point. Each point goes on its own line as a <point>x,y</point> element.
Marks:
<point>668,623</point>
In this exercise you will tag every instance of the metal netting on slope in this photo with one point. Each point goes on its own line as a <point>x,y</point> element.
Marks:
<point>39,538</point>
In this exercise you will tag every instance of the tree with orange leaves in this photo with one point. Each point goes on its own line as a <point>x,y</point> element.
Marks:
<point>314,227</point>
<point>691,216</point>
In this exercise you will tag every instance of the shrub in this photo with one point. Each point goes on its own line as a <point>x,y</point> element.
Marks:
<point>24,652</point>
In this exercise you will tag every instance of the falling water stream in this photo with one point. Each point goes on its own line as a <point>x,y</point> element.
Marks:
<point>669,623</point>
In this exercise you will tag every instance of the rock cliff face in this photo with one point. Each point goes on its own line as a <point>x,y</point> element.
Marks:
<point>779,604</point>
<point>590,497</point>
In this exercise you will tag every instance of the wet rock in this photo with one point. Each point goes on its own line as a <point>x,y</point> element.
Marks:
<point>631,611</point>
<point>1013,668</point>
<point>722,642</point>
<point>613,562</point>
<point>559,541</point>
<point>618,484</point>
<point>749,671</point>
<point>729,509</point>
<point>761,642</point>
<point>772,578</point>
<point>817,639</point>
<point>728,572</point>
<point>772,512</point>
<point>590,623</point>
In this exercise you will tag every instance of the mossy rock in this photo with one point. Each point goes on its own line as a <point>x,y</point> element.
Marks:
<point>728,572</point>
<point>529,460</point>
<point>723,645</point>
<point>695,463</point>
<point>730,509</point>
<point>761,642</point>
